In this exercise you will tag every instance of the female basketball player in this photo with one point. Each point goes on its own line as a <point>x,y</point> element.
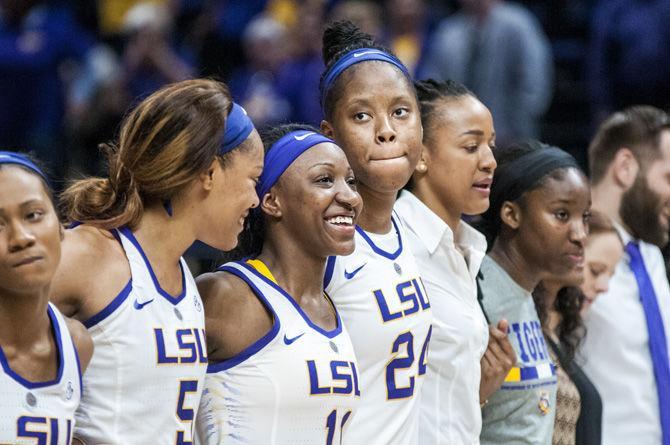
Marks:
<point>282,367</point>
<point>173,179</point>
<point>453,177</point>
<point>371,111</point>
<point>42,354</point>
<point>537,224</point>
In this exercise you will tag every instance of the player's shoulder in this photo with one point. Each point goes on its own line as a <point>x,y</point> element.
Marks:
<point>235,317</point>
<point>222,287</point>
<point>227,297</point>
<point>92,260</point>
<point>94,248</point>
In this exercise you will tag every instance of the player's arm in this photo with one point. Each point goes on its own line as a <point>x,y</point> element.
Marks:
<point>498,359</point>
<point>92,271</point>
<point>234,316</point>
<point>82,341</point>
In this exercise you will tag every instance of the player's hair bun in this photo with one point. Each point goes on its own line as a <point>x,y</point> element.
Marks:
<point>342,36</point>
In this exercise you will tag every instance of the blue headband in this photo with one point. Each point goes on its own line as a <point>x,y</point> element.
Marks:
<point>282,154</point>
<point>352,58</point>
<point>238,128</point>
<point>9,157</point>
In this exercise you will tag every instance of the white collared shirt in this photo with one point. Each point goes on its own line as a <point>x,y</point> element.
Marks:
<point>616,351</point>
<point>450,412</point>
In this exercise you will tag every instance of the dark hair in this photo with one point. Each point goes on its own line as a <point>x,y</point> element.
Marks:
<point>637,128</point>
<point>253,236</point>
<point>429,92</point>
<point>47,187</point>
<point>491,224</point>
<point>165,142</point>
<point>571,330</point>
<point>340,38</point>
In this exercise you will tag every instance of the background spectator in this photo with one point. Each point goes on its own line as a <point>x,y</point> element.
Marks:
<point>37,40</point>
<point>298,79</point>
<point>150,59</point>
<point>366,14</point>
<point>254,84</point>
<point>499,51</point>
<point>629,56</point>
<point>407,32</point>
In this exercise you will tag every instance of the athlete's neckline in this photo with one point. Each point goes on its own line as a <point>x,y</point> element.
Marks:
<point>378,250</point>
<point>174,299</point>
<point>55,328</point>
<point>330,334</point>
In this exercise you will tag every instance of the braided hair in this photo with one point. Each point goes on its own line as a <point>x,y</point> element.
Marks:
<point>430,92</point>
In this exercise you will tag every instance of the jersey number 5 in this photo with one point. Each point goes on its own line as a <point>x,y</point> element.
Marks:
<point>186,415</point>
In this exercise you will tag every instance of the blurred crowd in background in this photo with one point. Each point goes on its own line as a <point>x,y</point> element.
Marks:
<point>549,69</point>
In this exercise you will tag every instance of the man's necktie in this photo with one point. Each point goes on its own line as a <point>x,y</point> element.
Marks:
<point>658,346</point>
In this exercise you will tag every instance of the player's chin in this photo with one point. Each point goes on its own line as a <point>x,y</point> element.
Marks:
<point>30,280</point>
<point>340,245</point>
<point>476,205</point>
<point>224,243</point>
<point>345,247</point>
<point>390,180</point>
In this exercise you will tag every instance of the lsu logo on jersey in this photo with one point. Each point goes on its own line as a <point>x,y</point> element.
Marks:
<point>44,430</point>
<point>409,298</point>
<point>186,346</point>
<point>336,377</point>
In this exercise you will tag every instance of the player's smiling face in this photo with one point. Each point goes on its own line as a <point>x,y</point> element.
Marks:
<point>318,201</point>
<point>233,196</point>
<point>30,233</point>
<point>376,121</point>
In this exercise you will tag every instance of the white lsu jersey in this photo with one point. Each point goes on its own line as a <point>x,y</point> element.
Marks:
<point>42,412</point>
<point>298,384</point>
<point>383,303</point>
<point>144,381</point>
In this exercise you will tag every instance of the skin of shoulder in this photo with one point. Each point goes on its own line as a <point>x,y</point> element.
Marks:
<point>82,341</point>
<point>234,316</point>
<point>92,272</point>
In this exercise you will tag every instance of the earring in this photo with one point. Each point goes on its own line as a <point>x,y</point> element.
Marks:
<point>422,167</point>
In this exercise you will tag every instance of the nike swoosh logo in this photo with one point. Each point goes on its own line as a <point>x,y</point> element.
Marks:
<point>361,54</point>
<point>139,305</point>
<point>350,275</point>
<point>304,136</point>
<point>288,341</point>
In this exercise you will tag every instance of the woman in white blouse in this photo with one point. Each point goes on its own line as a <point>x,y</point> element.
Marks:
<point>453,178</point>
